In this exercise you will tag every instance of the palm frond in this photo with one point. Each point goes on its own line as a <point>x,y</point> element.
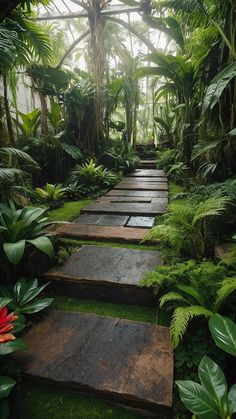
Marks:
<point>18,154</point>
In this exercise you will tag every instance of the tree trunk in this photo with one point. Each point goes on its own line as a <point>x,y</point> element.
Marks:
<point>44,122</point>
<point>11,136</point>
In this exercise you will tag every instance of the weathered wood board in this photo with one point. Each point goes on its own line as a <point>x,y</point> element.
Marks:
<point>147,172</point>
<point>123,199</point>
<point>142,186</point>
<point>125,192</point>
<point>146,179</point>
<point>95,232</point>
<point>128,208</point>
<point>125,362</point>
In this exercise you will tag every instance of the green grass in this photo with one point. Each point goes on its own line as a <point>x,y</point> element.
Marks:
<point>123,311</point>
<point>174,189</point>
<point>34,401</point>
<point>69,210</point>
<point>79,243</point>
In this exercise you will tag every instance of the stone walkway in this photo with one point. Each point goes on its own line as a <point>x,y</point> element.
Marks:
<point>125,362</point>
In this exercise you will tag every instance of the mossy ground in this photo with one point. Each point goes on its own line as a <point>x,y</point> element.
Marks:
<point>69,210</point>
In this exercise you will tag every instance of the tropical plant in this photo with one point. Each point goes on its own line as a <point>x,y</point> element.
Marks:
<point>188,226</point>
<point>50,194</point>
<point>30,122</point>
<point>120,156</point>
<point>193,304</point>
<point>211,398</point>
<point>90,175</point>
<point>8,344</point>
<point>55,118</point>
<point>13,179</point>
<point>21,228</point>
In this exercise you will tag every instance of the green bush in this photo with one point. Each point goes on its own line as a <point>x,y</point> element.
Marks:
<point>51,195</point>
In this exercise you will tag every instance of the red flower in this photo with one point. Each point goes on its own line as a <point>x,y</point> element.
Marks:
<point>6,325</point>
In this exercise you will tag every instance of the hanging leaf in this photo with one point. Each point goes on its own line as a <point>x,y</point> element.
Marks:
<point>217,86</point>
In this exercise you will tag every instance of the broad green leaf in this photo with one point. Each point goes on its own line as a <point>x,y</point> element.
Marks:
<point>191,292</point>
<point>232,398</point>
<point>44,244</point>
<point>4,301</point>
<point>223,331</point>
<point>217,86</point>
<point>14,251</point>
<point>36,306</point>
<point>12,346</point>
<point>213,381</point>
<point>197,400</point>
<point>6,384</point>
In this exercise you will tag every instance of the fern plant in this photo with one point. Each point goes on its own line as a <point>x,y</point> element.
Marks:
<point>187,227</point>
<point>192,305</point>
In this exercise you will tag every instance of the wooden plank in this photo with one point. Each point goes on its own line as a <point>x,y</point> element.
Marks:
<point>125,362</point>
<point>128,208</point>
<point>107,266</point>
<point>147,172</point>
<point>95,232</point>
<point>123,199</point>
<point>125,192</point>
<point>142,186</point>
<point>147,179</point>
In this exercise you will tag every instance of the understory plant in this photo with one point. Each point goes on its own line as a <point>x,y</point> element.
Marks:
<point>188,228</point>
<point>120,156</point>
<point>21,228</point>
<point>51,195</point>
<point>192,303</point>
<point>92,177</point>
<point>211,399</point>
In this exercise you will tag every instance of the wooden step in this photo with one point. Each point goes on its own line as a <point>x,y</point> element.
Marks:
<point>142,186</point>
<point>128,208</point>
<point>97,232</point>
<point>147,172</point>
<point>106,273</point>
<point>135,194</point>
<point>121,361</point>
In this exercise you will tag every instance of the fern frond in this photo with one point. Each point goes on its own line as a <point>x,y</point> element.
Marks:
<point>181,318</point>
<point>228,286</point>
<point>211,207</point>
<point>171,296</point>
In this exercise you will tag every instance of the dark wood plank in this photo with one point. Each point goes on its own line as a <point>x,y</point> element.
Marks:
<point>128,208</point>
<point>142,186</point>
<point>141,222</point>
<point>119,360</point>
<point>147,172</point>
<point>123,199</point>
<point>106,265</point>
<point>125,192</point>
<point>147,179</point>
<point>95,232</point>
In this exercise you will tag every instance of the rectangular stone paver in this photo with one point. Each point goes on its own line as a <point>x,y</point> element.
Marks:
<point>107,265</point>
<point>129,363</point>
<point>141,222</point>
<point>113,220</point>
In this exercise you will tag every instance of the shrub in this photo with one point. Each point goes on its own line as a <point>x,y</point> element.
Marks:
<point>51,195</point>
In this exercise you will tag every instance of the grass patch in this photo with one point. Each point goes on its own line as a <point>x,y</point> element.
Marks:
<point>34,401</point>
<point>79,243</point>
<point>174,189</point>
<point>69,210</point>
<point>123,311</point>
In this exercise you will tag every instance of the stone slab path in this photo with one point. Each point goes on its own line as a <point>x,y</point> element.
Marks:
<point>99,271</point>
<point>125,362</point>
<point>119,360</point>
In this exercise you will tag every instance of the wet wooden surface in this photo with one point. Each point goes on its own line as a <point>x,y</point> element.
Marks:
<point>147,172</point>
<point>142,186</point>
<point>119,360</point>
<point>128,208</point>
<point>125,192</point>
<point>95,232</point>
